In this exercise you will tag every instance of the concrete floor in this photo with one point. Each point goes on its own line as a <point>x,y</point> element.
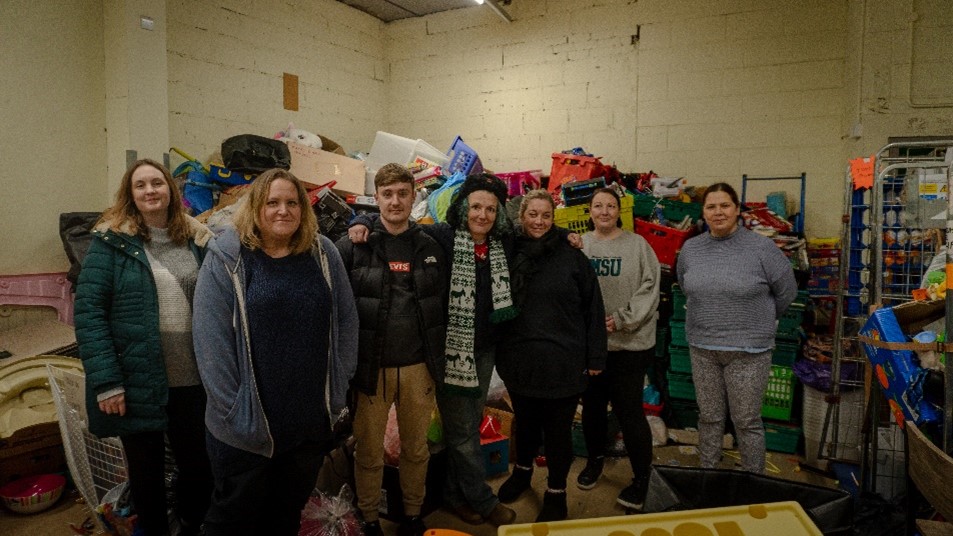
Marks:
<point>597,502</point>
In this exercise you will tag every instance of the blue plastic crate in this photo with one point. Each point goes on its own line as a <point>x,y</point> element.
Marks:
<point>858,216</point>
<point>852,305</point>
<point>857,259</point>
<point>859,238</point>
<point>463,159</point>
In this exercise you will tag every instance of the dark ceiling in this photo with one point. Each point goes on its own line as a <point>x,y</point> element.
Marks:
<point>391,10</point>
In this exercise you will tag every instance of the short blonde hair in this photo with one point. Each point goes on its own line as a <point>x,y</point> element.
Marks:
<point>532,195</point>
<point>248,219</point>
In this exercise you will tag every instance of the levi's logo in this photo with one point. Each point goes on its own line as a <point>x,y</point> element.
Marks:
<point>399,266</point>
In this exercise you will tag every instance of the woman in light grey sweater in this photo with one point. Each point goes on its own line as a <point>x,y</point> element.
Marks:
<point>737,283</point>
<point>628,272</point>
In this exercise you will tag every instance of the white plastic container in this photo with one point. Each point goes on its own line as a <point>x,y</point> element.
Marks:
<point>389,148</point>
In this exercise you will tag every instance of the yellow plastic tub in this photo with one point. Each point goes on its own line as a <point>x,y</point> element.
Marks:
<point>770,519</point>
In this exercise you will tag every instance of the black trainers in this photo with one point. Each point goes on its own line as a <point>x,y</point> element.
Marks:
<point>372,528</point>
<point>411,526</point>
<point>589,476</point>
<point>515,485</point>
<point>632,496</point>
<point>554,507</point>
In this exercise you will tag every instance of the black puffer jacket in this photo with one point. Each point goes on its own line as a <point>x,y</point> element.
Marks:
<point>561,328</point>
<point>370,281</point>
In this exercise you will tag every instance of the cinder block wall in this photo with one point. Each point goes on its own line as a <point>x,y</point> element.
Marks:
<point>226,61</point>
<point>705,90</point>
<point>708,90</point>
<point>52,145</point>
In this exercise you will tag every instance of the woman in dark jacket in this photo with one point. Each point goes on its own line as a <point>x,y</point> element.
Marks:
<point>558,337</point>
<point>134,329</point>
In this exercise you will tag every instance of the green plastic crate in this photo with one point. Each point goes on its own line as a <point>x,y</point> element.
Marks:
<point>661,341</point>
<point>680,386</point>
<point>674,211</point>
<point>781,437</point>
<point>678,333</point>
<point>684,413</point>
<point>678,303</point>
<point>785,353</point>
<point>778,398</point>
<point>679,360</point>
<point>792,335</point>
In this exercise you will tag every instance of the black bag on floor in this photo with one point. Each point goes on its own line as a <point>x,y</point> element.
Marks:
<point>248,153</point>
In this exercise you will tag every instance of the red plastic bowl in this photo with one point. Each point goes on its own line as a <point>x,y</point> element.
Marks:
<point>33,493</point>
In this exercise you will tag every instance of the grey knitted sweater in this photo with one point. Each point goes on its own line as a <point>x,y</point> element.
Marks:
<point>175,270</point>
<point>736,287</point>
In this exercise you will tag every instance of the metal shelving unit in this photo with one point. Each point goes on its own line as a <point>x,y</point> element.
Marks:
<point>891,233</point>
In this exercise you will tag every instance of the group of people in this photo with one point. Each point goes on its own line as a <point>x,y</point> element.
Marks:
<point>272,332</point>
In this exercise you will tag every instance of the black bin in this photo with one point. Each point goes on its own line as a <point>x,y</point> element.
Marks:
<point>688,488</point>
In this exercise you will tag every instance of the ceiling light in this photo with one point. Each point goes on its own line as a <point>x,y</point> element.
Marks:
<point>495,6</point>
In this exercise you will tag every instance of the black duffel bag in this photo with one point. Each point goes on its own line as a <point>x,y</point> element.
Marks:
<point>249,153</point>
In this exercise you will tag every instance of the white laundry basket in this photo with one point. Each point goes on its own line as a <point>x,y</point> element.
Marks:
<point>97,465</point>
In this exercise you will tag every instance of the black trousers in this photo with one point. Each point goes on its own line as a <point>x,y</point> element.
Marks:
<point>545,422</point>
<point>256,495</point>
<point>145,457</point>
<point>621,383</point>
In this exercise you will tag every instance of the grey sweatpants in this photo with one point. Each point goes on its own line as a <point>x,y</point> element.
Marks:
<point>740,379</point>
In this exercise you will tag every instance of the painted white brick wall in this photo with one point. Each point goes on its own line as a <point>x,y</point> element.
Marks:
<point>227,57</point>
<point>711,90</point>
<point>53,116</point>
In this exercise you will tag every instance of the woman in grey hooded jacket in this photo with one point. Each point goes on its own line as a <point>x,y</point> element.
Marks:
<point>275,330</point>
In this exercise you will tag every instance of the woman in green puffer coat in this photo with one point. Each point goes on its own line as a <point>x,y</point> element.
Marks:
<point>134,328</point>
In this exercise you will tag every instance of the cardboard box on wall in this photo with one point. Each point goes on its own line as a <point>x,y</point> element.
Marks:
<point>317,167</point>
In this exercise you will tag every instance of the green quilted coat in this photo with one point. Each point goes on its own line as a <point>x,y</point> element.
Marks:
<point>117,329</point>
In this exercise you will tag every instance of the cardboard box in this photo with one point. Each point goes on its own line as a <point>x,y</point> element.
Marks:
<point>316,167</point>
<point>30,451</point>
<point>900,377</point>
<point>30,438</point>
<point>43,460</point>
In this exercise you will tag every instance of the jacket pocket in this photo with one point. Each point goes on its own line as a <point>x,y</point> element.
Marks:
<point>240,406</point>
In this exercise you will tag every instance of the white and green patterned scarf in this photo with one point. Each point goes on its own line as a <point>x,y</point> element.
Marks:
<point>461,376</point>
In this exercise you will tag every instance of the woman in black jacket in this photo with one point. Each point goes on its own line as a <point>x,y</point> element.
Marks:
<point>548,351</point>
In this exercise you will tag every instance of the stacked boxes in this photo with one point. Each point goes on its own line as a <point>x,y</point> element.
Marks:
<point>680,387</point>
<point>825,269</point>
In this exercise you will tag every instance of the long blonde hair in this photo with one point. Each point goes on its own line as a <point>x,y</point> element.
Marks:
<point>124,215</point>
<point>248,219</point>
